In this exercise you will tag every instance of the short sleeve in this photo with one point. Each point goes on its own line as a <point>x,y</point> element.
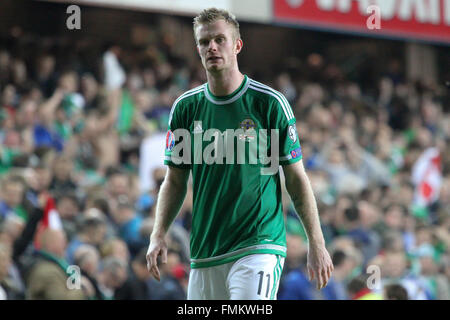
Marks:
<point>173,153</point>
<point>283,118</point>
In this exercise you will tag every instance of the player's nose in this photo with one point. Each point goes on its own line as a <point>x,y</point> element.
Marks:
<point>212,46</point>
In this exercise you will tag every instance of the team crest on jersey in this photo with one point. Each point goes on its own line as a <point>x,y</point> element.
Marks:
<point>292,131</point>
<point>170,140</point>
<point>248,126</point>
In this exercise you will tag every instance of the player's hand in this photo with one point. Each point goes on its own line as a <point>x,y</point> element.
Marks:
<point>319,265</point>
<point>157,247</point>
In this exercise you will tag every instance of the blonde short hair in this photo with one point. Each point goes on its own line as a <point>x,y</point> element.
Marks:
<point>212,15</point>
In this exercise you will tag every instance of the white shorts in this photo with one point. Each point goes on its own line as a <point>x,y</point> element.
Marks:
<point>253,277</point>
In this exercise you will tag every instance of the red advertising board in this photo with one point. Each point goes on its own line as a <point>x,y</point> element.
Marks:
<point>414,19</point>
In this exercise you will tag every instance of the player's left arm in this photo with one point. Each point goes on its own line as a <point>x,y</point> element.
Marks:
<point>299,188</point>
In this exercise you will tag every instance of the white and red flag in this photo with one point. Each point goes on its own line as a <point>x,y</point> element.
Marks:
<point>427,177</point>
<point>50,220</point>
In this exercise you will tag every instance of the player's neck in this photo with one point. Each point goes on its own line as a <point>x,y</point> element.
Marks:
<point>224,83</point>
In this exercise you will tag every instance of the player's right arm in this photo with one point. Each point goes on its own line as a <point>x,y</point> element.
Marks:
<point>170,199</point>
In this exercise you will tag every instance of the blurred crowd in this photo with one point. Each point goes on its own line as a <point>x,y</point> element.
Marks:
<point>87,127</point>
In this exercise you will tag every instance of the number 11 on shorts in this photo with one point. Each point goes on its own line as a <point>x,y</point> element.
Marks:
<point>260,285</point>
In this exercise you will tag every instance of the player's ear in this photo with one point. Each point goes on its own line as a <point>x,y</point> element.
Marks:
<point>239,45</point>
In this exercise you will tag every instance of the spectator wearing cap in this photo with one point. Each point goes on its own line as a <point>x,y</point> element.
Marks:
<point>92,231</point>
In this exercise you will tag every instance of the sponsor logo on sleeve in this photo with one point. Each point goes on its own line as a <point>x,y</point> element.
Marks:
<point>296,153</point>
<point>170,140</point>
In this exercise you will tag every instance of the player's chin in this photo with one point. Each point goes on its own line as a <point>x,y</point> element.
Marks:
<point>214,67</point>
<point>214,62</point>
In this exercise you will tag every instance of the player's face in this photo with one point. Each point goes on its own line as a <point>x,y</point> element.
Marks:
<point>217,45</point>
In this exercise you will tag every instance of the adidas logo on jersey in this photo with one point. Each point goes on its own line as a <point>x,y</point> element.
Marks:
<point>198,127</point>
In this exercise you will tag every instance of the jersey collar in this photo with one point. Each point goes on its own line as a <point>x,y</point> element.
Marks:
<point>229,98</point>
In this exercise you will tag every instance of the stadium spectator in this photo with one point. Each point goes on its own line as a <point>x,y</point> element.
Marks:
<point>437,284</point>
<point>295,284</point>
<point>47,279</point>
<point>115,247</point>
<point>118,188</point>
<point>358,289</point>
<point>129,225</point>
<point>13,189</point>
<point>395,292</point>
<point>136,286</point>
<point>92,231</point>
<point>395,268</point>
<point>5,261</point>
<point>62,181</point>
<point>87,259</point>
<point>336,288</point>
<point>168,288</point>
<point>68,209</point>
<point>113,273</point>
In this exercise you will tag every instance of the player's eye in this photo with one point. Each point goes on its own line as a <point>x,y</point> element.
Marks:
<point>220,40</point>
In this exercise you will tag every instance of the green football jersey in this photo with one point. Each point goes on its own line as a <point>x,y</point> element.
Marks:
<point>227,142</point>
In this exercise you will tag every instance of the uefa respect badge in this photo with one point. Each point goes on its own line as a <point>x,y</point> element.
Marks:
<point>170,140</point>
<point>296,153</point>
